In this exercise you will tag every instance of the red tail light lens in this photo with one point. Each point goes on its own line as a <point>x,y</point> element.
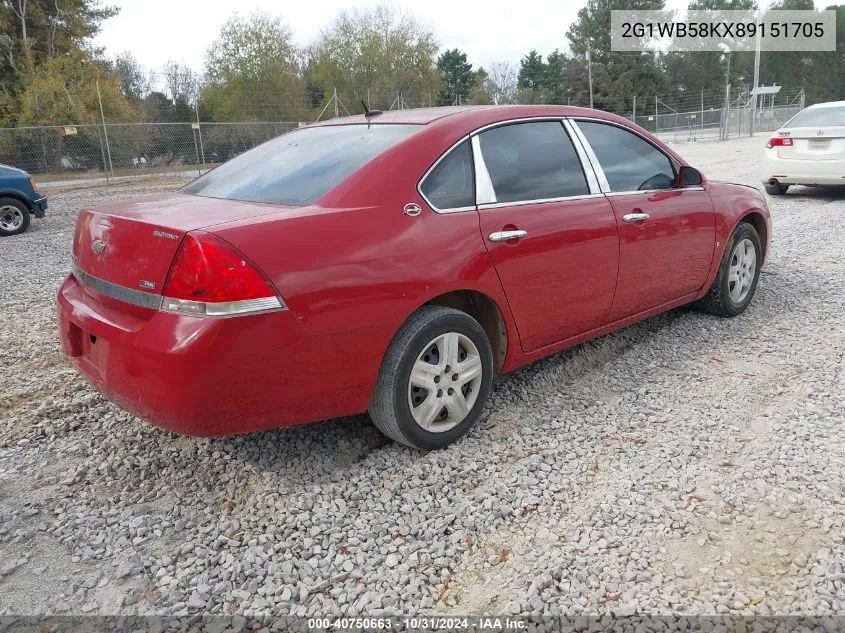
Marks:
<point>779,141</point>
<point>209,278</point>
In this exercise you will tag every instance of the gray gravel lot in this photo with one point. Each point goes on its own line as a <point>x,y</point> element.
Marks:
<point>687,463</point>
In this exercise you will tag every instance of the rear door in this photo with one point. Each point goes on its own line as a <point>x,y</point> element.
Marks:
<point>666,234</point>
<point>551,236</point>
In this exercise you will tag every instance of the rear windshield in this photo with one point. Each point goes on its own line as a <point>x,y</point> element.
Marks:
<point>819,117</point>
<point>299,167</point>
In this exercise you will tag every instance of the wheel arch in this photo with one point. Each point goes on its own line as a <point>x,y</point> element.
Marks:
<point>756,219</point>
<point>486,311</point>
<point>19,197</point>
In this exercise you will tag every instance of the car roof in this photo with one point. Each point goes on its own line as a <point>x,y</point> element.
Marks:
<point>475,115</point>
<point>829,104</point>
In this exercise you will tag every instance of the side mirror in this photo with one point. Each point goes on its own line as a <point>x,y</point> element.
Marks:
<point>689,177</point>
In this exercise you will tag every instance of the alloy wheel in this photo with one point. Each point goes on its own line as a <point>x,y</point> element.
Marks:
<point>445,382</point>
<point>741,271</point>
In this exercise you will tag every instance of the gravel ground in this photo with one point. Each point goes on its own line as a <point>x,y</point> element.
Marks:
<point>687,463</point>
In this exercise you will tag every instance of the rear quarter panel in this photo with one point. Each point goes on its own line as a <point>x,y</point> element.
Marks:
<point>356,264</point>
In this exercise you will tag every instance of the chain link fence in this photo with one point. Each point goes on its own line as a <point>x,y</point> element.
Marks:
<point>124,149</point>
<point>186,149</point>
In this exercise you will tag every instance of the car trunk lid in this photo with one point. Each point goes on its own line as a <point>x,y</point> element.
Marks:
<point>813,143</point>
<point>132,244</point>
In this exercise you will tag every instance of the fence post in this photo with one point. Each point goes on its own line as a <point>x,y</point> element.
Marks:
<point>197,150</point>
<point>103,152</point>
<point>199,132</point>
<point>105,132</point>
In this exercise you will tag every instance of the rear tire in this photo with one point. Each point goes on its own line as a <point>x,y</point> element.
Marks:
<point>776,189</point>
<point>14,217</point>
<point>739,271</point>
<point>434,379</point>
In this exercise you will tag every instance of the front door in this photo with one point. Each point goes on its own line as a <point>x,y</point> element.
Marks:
<point>554,243</point>
<point>666,233</point>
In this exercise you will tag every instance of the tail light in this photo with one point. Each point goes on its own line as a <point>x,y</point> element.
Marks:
<point>779,141</point>
<point>208,278</point>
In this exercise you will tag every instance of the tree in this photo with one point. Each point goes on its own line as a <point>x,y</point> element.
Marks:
<point>63,90</point>
<point>376,53</point>
<point>134,82</point>
<point>501,82</point>
<point>555,79</point>
<point>617,76</point>
<point>532,75</point>
<point>456,75</point>
<point>252,71</point>
<point>35,31</point>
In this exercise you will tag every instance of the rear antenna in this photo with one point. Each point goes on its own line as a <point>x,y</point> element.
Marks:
<point>370,113</point>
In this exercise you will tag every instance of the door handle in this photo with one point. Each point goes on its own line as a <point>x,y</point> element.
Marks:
<point>635,217</point>
<point>504,236</point>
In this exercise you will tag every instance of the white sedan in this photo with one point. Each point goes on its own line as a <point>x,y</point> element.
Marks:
<point>808,150</point>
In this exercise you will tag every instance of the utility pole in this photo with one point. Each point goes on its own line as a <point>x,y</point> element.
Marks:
<point>590,73</point>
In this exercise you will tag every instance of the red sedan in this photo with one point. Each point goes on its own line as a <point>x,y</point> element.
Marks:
<point>393,263</point>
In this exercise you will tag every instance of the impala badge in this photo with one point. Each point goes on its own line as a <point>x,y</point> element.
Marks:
<point>147,284</point>
<point>98,246</point>
<point>412,209</point>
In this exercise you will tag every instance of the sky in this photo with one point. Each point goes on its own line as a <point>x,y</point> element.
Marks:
<point>156,31</point>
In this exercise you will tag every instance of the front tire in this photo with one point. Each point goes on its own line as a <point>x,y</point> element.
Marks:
<point>434,379</point>
<point>14,217</point>
<point>739,271</point>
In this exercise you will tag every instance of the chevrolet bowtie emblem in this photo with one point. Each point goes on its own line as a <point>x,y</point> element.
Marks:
<point>98,247</point>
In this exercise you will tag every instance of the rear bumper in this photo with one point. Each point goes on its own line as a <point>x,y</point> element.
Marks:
<point>789,171</point>
<point>212,377</point>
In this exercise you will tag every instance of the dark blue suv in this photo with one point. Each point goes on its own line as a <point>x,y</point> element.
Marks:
<point>19,199</point>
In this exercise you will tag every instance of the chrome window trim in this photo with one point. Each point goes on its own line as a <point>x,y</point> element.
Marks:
<point>114,291</point>
<point>484,191</point>
<point>521,203</point>
<point>586,164</point>
<point>428,171</point>
<point>594,160</point>
<point>481,167</point>
<point>611,194</point>
<point>600,171</point>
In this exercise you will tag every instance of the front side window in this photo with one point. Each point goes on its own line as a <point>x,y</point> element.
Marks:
<point>629,162</point>
<point>532,161</point>
<point>451,184</point>
<point>300,167</point>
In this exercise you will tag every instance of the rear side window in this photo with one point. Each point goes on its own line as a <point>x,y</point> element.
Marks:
<point>819,117</point>
<point>532,161</point>
<point>300,167</point>
<point>629,162</point>
<point>451,184</point>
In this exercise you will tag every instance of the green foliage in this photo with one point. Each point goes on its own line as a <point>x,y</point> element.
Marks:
<point>532,76</point>
<point>374,53</point>
<point>456,75</point>
<point>252,71</point>
<point>63,90</point>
